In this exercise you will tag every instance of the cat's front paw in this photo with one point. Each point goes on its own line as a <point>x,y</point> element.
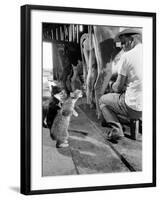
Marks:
<point>62,145</point>
<point>75,113</point>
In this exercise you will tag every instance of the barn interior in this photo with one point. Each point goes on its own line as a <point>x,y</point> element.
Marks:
<point>89,151</point>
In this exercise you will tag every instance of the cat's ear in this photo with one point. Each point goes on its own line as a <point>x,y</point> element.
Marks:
<point>61,96</point>
<point>58,96</point>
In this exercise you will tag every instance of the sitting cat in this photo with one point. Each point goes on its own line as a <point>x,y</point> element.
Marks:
<point>50,107</point>
<point>59,129</point>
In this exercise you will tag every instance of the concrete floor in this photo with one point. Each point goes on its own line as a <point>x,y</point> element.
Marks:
<point>89,152</point>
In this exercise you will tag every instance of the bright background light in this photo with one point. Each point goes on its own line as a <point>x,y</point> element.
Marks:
<point>81,28</point>
<point>47,56</point>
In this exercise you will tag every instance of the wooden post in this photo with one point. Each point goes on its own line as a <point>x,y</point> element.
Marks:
<point>60,29</point>
<point>52,34</point>
<point>56,33</point>
<point>73,32</point>
<point>70,33</point>
<point>77,33</point>
<point>65,33</point>
<point>61,33</point>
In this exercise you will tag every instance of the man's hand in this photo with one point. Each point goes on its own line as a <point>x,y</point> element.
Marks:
<point>110,90</point>
<point>119,85</point>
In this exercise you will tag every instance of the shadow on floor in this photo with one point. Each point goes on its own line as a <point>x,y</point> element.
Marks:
<point>88,153</point>
<point>15,189</point>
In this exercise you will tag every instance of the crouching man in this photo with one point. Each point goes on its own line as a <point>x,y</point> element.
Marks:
<point>128,103</point>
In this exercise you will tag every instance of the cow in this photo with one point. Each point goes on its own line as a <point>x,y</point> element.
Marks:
<point>89,66</point>
<point>99,52</point>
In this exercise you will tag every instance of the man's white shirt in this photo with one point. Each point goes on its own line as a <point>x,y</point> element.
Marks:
<point>131,66</point>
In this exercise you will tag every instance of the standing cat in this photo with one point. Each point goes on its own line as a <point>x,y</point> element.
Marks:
<point>59,129</point>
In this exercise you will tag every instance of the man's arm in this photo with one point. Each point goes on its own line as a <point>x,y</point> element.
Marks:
<point>119,84</point>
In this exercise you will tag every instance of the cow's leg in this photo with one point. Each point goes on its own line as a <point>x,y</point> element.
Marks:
<point>88,81</point>
<point>85,57</point>
<point>98,83</point>
<point>97,89</point>
<point>91,77</point>
<point>101,84</point>
<point>85,66</point>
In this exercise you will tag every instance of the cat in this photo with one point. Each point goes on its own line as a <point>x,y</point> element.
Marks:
<point>50,107</point>
<point>75,80</point>
<point>59,129</point>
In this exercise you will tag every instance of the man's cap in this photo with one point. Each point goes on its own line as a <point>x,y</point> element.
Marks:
<point>128,31</point>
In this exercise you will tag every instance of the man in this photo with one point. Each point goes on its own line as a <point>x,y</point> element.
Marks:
<point>128,103</point>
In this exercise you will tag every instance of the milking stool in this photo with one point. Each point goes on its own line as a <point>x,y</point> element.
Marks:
<point>135,125</point>
<point>134,128</point>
